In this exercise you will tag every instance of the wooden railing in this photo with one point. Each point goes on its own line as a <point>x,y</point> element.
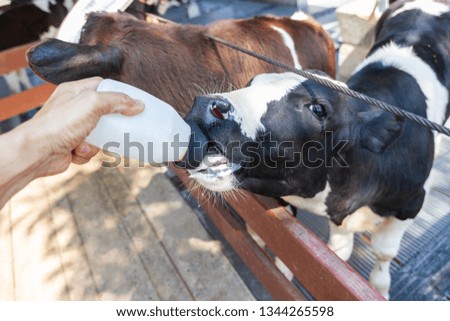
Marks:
<point>12,60</point>
<point>314,265</point>
<point>317,268</point>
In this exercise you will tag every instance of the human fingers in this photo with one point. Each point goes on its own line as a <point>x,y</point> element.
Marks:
<point>85,150</point>
<point>112,102</point>
<point>67,91</point>
<point>78,160</point>
<point>78,86</point>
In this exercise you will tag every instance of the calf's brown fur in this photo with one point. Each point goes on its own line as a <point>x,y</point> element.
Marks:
<point>175,62</point>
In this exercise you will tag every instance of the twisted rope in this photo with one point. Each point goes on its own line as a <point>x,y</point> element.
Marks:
<point>342,89</point>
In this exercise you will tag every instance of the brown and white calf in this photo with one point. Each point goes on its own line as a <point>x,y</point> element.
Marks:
<point>175,62</point>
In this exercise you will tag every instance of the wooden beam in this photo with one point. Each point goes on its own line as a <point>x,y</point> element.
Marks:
<point>315,266</point>
<point>19,103</point>
<point>15,58</point>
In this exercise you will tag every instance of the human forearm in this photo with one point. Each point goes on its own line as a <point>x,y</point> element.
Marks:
<point>21,161</point>
<point>54,137</point>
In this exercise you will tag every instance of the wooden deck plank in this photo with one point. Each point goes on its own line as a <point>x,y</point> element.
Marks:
<point>82,235</point>
<point>76,269</point>
<point>164,276</point>
<point>7,287</point>
<point>36,261</point>
<point>198,258</point>
<point>117,270</point>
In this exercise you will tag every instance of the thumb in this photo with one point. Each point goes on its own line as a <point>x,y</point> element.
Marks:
<point>111,102</point>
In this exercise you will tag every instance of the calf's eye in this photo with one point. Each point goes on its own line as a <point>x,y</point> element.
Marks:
<point>318,110</point>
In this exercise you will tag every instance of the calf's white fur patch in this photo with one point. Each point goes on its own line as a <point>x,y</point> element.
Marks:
<point>385,245</point>
<point>404,59</point>
<point>250,103</point>
<point>289,43</point>
<point>314,205</point>
<point>299,15</point>
<point>429,7</point>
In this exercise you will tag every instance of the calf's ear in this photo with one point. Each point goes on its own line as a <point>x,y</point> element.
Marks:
<point>58,61</point>
<point>378,129</point>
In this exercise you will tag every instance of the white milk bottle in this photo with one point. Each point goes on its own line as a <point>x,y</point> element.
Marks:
<point>156,135</point>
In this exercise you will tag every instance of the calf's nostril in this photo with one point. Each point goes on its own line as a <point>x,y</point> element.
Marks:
<point>220,108</point>
<point>216,112</point>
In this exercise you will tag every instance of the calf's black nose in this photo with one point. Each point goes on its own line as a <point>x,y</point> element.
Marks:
<point>198,147</point>
<point>219,107</point>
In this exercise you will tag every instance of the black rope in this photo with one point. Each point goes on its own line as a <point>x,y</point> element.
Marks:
<point>335,86</point>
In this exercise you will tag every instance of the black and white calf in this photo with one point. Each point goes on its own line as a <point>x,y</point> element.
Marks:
<point>289,137</point>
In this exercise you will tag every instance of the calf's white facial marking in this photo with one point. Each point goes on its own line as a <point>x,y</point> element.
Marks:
<point>249,106</point>
<point>289,42</point>
<point>404,59</point>
<point>250,103</point>
<point>429,7</point>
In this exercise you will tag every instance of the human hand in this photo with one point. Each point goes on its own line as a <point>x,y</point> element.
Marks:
<point>68,117</point>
